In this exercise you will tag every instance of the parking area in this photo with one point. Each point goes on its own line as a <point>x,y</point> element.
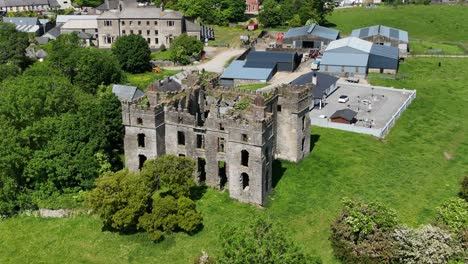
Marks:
<point>375,106</point>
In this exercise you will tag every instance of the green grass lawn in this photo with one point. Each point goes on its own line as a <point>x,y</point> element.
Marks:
<point>142,80</point>
<point>424,47</point>
<point>406,171</point>
<point>431,23</point>
<point>161,55</point>
<point>230,36</point>
<point>252,87</point>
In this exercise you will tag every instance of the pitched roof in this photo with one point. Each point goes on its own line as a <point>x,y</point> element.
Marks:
<point>346,114</point>
<point>315,30</point>
<point>108,5</point>
<point>169,85</point>
<point>268,59</point>
<point>127,93</point>
<point>351,42</point>
<point>142,12</point>
<point>192,26</point>
<point>29,21</point>
<point>345,59</point>
<point>4,3</point>
<point>389,32</point>
<point>324,81</point>
<point>66,18</point>
<point>42,40</point>
<point>54,32</point>
<point>238,70</point>
<point>80,24</point>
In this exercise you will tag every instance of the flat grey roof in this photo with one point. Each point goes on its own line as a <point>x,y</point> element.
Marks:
<point>236,70</point>
<point>5,3</point>
<point>389,32</point>
<point>315,30</point>
<point>268,59</point>
<point>345,59</point>
<point>28,21</point>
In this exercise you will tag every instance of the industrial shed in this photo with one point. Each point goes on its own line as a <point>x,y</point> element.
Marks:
<point>313,36</point>
<point>237,73</point>
<point>323,86</point>
<point>356,57</point>
<point>344,116</point>
<point>284,61</point>
<point>384,35</point>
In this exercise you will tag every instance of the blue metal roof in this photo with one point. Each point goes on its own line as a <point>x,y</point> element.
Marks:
<point>238,70</point>
<point>385,31</point>
<point>313,29</point>
<point>345,59</point>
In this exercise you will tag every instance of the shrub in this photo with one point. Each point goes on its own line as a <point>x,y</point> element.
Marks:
<point>453,214</point>
<point>464,189</point>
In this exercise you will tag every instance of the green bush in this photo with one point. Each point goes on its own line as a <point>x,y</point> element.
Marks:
<point>453,214</point>
<point>133,53</point>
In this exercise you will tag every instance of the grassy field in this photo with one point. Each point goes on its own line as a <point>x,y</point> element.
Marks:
<point>430,23</point>
<point>142,80</point>
<point>252,87</point>
<point>229,36</point>
<point>407,171</point>
<point>161,55</point>
<point>424,47</point>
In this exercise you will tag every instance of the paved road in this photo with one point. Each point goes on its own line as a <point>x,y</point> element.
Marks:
<point>215,64</point>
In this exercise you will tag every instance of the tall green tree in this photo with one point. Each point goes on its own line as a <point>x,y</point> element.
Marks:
<point>133,53</point>
<point>219,12</point>
<point>272,14</point>
<point>260,241</point>
<point>13,46</point>
<point>184,48</point>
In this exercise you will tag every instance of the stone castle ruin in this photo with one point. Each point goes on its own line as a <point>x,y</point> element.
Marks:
<point>233,135</point>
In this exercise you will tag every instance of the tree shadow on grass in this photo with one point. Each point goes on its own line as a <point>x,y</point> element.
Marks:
<point>278,172</point>
<point>328,24</point>
<point>197,192</point>
<point>313,140</point>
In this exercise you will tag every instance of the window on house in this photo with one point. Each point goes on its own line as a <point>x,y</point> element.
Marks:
<point>180,138</point>
<point>123,32</point>
<point>156,40</point>
<point>107,39</point>
<point>245,181</point>
<point>139,121</point>
<point>278,108</point>
<point>147,23</point>
<point>108,23</point>
<point>148,40</point>
<point>170,23</point>
<point>123,23</point>
<point>139,32</point>
<point>200,141</point>
<point>220,144</point>
<point>130,23</point>
<point>156,32</point>
<point>147,32</point>
<point>244,138</point>
<point>141,140</point>
<point>141,161</point>
<point>155,23</point>
<point>245,158</point>
<point>139,23</point>
<point>131,32</point>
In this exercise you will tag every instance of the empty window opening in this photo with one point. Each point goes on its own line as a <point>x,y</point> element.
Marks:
<point>245,181</point>
<point>141,161</point>
<point>245,158</point>
<point>303,122</point>
<point>220,144</point>
<point>278,108</point>
<point>139,121</point>
<point>141,140</point>
<point>303,144</point>
<point>200,141</point>
<point>201,170</point>
<point>180,119</point>
<point>222,174</point>
<point>180,138</point>
<point>181,155</point>
<point>244,138</point>
<point>221,126</point>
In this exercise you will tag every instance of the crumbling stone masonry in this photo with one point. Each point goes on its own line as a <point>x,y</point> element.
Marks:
<point>233,135</point>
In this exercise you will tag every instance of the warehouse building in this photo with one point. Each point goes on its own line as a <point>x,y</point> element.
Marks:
<point>383,35</point>
<point>308,37</point>
<point>356,57</point>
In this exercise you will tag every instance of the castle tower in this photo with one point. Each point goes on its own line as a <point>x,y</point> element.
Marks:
<point>293,123</point>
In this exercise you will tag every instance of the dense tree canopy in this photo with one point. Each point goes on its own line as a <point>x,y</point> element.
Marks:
<point>260,241</point>
<point>156,200</point>
<point>13,45</point>
<point>184,48</point>
<point>133,53</point>
<point>219,12</point>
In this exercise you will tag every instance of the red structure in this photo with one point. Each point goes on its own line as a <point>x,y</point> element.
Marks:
<point>252,6</point>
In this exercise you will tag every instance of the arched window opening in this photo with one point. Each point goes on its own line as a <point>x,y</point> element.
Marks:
<point>141,140</point>
<point>141,161</point>
<point>245,181</point>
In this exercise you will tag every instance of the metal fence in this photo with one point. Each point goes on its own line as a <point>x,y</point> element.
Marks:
<point>377,132</point>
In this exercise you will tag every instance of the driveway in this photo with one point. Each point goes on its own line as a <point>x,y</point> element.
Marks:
<point>215,64</point>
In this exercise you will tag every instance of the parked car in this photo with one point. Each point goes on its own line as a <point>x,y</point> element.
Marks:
<point>343,99</point>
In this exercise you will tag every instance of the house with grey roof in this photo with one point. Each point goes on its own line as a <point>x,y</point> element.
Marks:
<point>384,35</point>
<point>356,57</point>
<point>27,24</point>
<point>158,26</point>
<point>323,85</point>
<point>86,28</point>
<point>258,67</point>
<point>28,5</point>
<point>127,93</point>
<point>62,19</point>
<point>308,37</point>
